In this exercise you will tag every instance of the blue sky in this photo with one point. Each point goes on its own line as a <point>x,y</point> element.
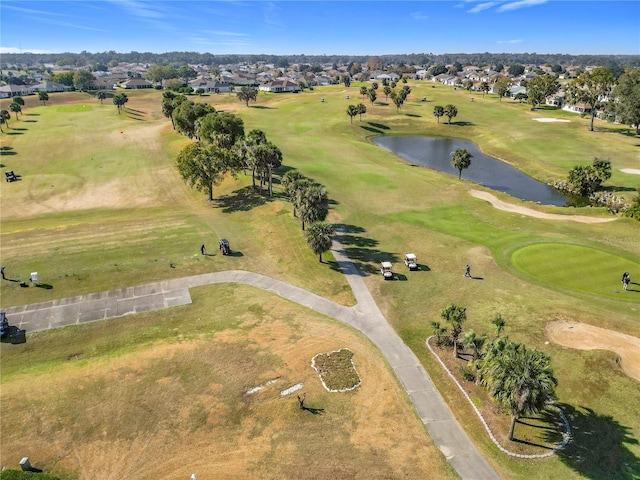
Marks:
<point>315,28</point>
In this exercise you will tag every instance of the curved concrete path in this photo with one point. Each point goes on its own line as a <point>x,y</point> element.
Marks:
<point>439,421</point>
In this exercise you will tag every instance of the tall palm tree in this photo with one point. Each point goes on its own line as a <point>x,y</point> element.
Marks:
<point>461,159</point>
<point>318,237</point>
<point>288,183</point>
<point>314,205</point>
<point>43,97</point>
<point>499,323</point>
<point>450,111</point>
<point>454,316</point>
<point>521,380</point>
<point>15,108</point>
<point>352,111</point>
<point>6,116</point>
<point>438,111</point>
<point>268,157</point>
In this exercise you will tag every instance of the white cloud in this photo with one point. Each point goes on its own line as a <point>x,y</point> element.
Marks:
<point>519,4</point>
<point>223,33</point>
<point>419,16</point>
<point>482,6</point>
<point>518,40</point>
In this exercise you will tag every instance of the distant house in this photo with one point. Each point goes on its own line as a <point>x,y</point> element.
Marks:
<point>280,86</point>
<point>136,83</point>
<point>50,87</point>
<point>577,108</point>
<point>515,90</point>
<point>421,74</point>
<point>210,85</point>
<point>11,90</point>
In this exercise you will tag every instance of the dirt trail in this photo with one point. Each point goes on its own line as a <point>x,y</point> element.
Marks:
<point>587,337</point>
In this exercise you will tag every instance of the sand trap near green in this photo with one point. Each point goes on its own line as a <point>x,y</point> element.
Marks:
<point>579,268</point>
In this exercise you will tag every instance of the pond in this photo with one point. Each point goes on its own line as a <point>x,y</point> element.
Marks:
<point>435,152</point>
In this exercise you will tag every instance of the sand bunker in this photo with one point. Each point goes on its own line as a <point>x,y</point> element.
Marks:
<point>548,120</point>
<point>634,171</point>
<point>587,337</point>
<point>510,207</point>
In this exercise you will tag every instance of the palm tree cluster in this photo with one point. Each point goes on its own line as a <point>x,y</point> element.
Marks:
<point>310,206</point>
<point>521,380</point>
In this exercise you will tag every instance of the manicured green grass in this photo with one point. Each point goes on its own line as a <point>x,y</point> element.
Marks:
<point>389,207</point>
<point>575,267</point>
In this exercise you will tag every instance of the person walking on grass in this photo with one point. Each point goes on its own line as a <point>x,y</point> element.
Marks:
<point>2,272</point>
<point>467,271</point>
<point>626,280</point>
<point>202,249</point>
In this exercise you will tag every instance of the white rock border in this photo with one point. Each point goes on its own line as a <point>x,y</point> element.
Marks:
<point>291,389</point>
<point>313,365</point>
<point>566,435</point>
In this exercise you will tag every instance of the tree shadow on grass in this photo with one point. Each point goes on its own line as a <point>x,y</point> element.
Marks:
<point>360,249</point>
<point>262,107</point>
<point>5,151</point>
<point>463,124</point>
<point>15,133</point>
<point>413,115</point>
<point>371,129</point>
<point>599,447</point>
<point>380,126</point>
<point>242,200</point>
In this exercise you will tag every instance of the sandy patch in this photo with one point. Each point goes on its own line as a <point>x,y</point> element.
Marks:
<point>549,120</point>
<point>634,171</point>
<point>510,207</point>
<point>587,337</point>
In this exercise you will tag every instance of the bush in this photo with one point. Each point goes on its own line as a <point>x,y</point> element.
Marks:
<point>468,373</point>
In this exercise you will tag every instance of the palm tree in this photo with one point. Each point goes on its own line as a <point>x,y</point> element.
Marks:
<point>468,84</point>
<point>521,380</point>
<point>499,323</point>
<point>438,330</point>
<point>268,157</point>
<point>438,112</point>
<point>473,342</point>
<point>352,111</point>
<point>455,316</point>
<point>15,108</point>
<point>6,116</point>
<point>318,237</point>
<point>484,86</point>
<point>288,182</point>
<point>119,99</point>
<point>314,205</point>
<point>387,91</point>
<point>364,92</point>
<point>461,159</point>
<point>43,97</point>
<point>450,111</point>
<point>298,190</point>
<point>362,108</point>
<point>102,95</point>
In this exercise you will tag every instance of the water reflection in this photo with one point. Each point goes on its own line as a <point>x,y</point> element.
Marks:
<point>435,152</point>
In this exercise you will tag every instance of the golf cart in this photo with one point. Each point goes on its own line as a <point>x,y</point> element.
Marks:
<point>10,333</point>
<point>385,270</point>
<point>225,249</point>
<point>411,261</point>
<point>10,176</point>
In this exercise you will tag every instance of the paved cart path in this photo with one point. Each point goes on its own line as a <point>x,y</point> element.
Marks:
<point>438,420</point>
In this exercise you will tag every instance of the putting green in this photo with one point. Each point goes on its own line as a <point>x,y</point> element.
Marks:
<point>579,268</point>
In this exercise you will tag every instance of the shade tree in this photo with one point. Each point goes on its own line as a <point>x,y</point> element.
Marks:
<point>591,88</point>
<point>450,111</point>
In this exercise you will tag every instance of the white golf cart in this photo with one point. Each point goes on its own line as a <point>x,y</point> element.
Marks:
<point>411,261</point>
<point>385,270</point>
